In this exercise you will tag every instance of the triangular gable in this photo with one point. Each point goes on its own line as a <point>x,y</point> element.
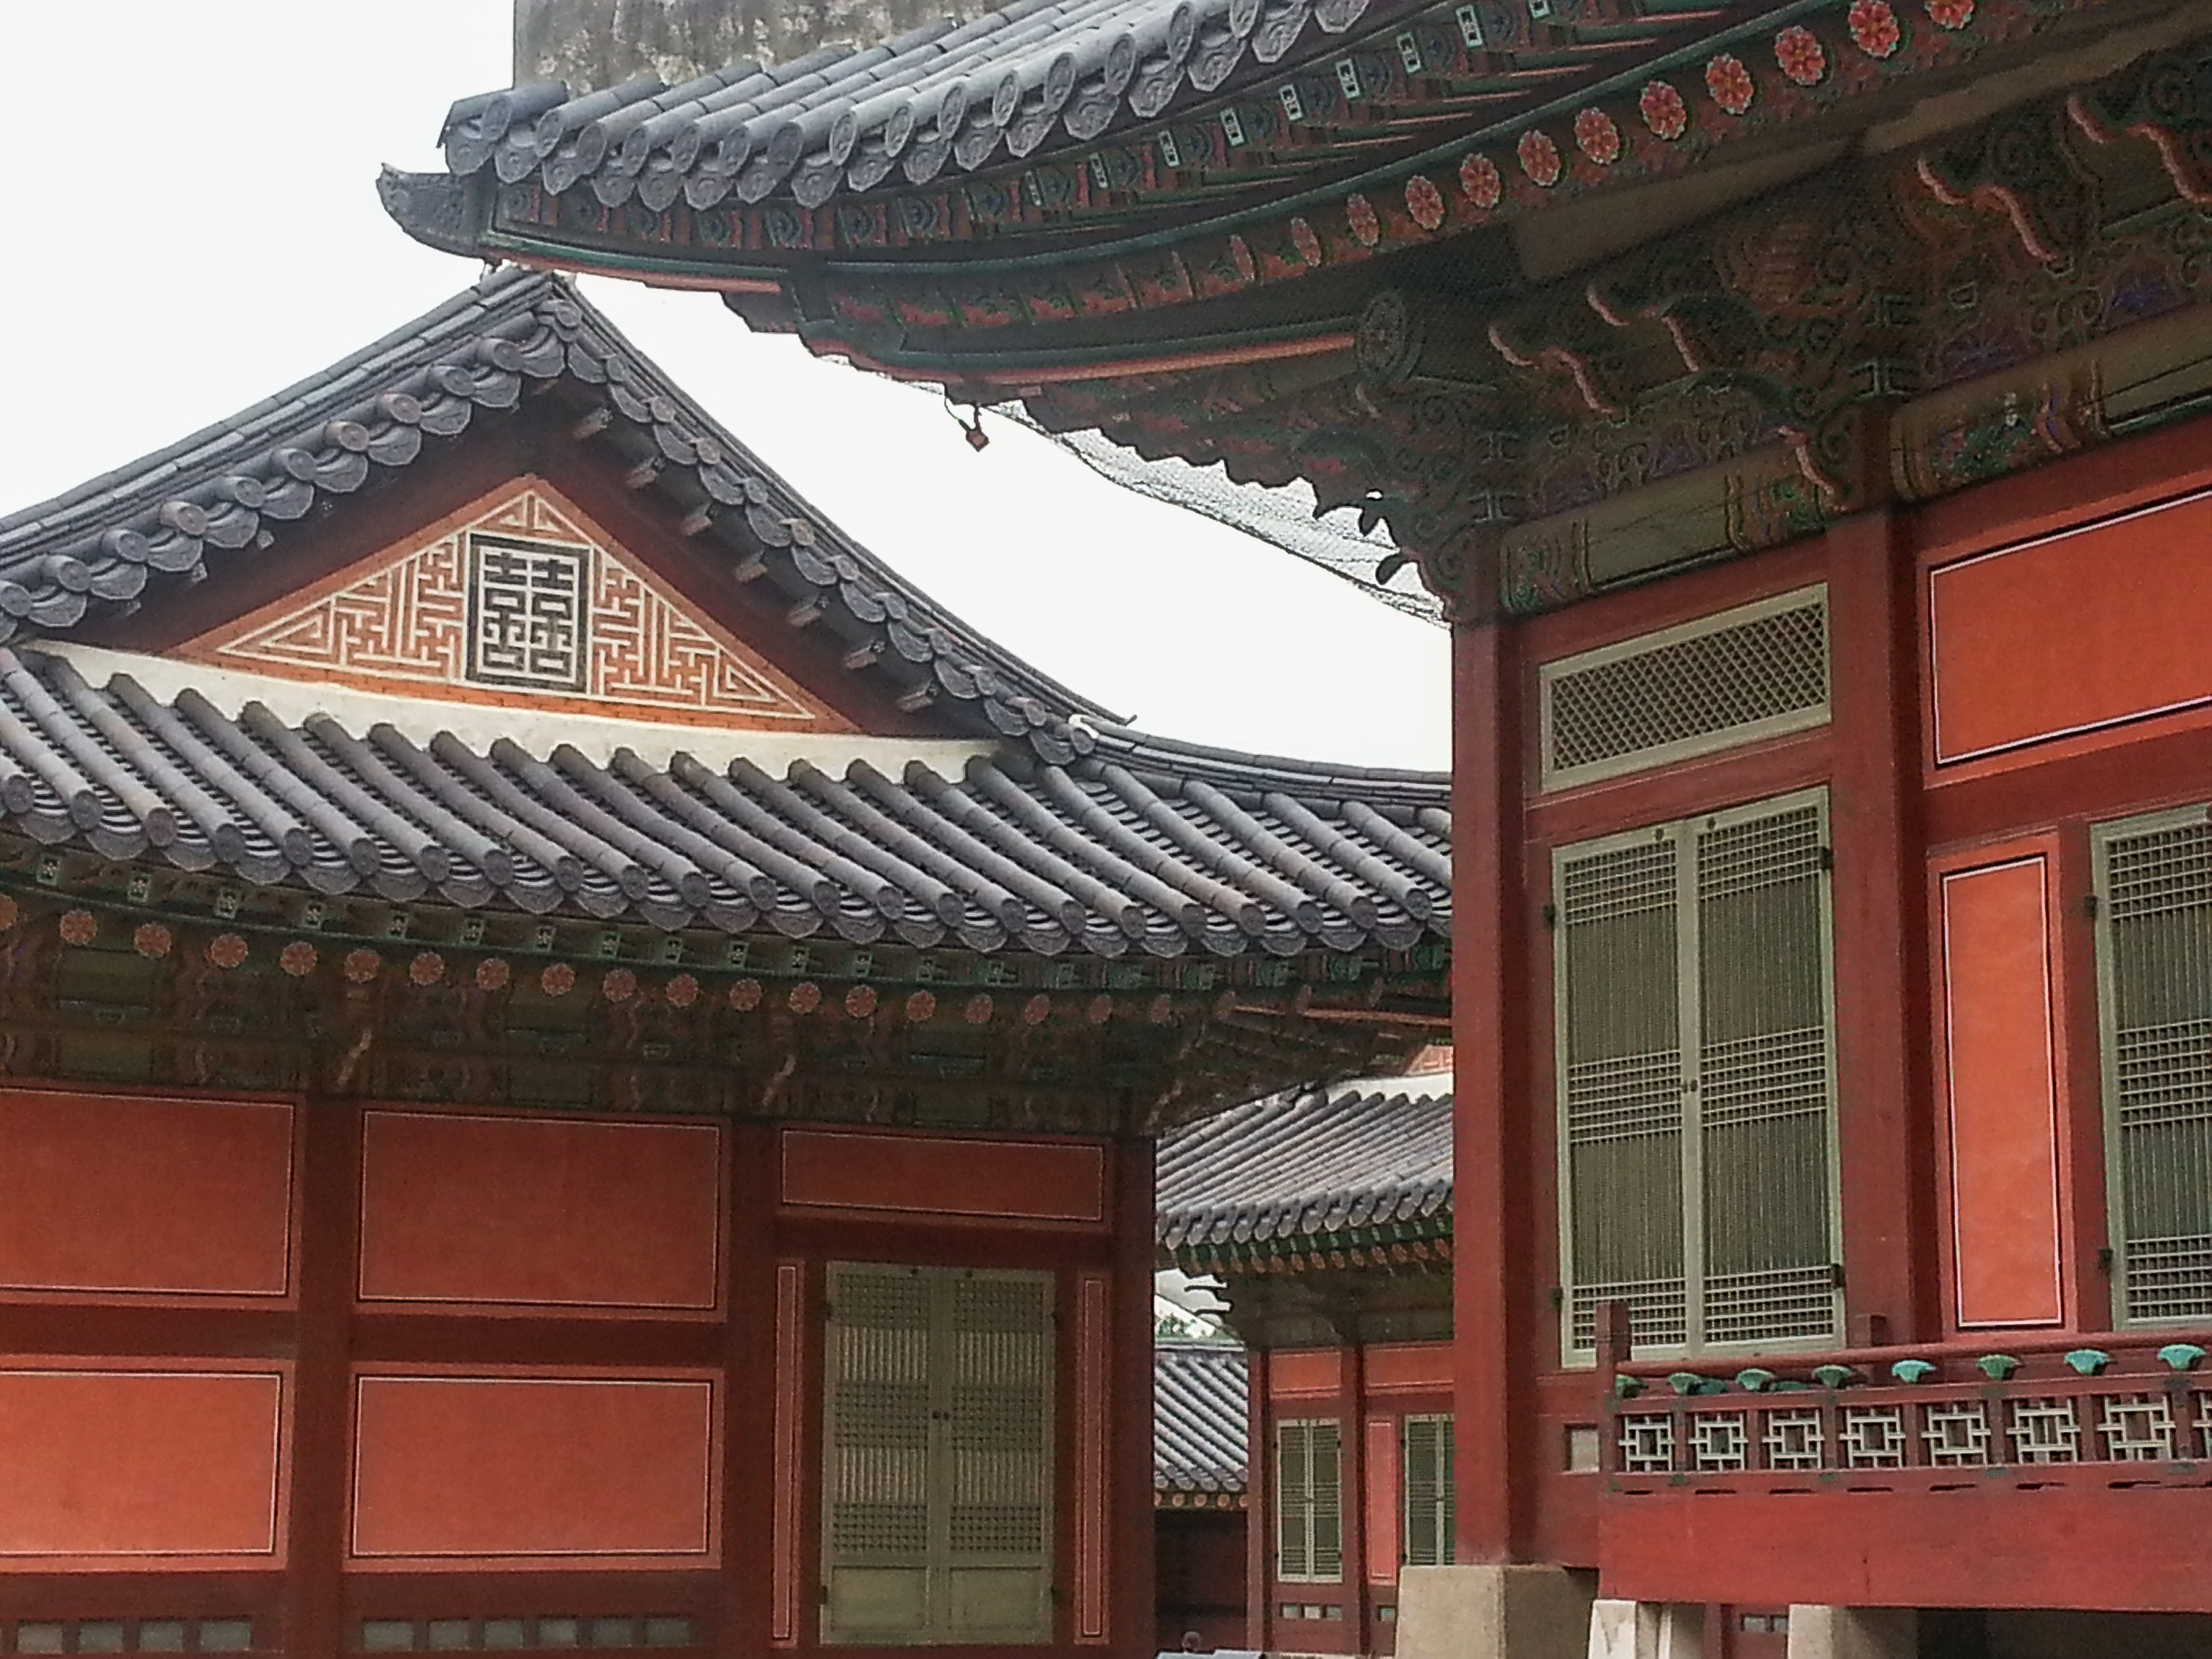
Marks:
<point>516,599</point>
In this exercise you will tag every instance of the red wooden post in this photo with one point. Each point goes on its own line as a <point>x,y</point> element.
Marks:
<point>1259,1505</point>
<point>759,1295</point>
<point>322,1452</point>
<point>1882,1019</point>
<point>1494,1316</point>
<point>1129,1394</point>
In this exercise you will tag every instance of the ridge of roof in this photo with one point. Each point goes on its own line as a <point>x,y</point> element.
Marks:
<point>1305,1163</point>
<point>230,487</point>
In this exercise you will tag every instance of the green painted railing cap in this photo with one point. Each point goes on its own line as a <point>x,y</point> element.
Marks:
<point>1835,1376</point>
<point>1912,1371</point>
<point>1755,1380</point>
<point>1627,1388</point>
<point>2088,1361</point>
<point>2181,1356</point>
<point>1996,1366</point>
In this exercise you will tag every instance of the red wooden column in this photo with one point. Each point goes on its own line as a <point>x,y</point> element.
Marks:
<point>322,1456</point>
<point>1494,1312</point>
<point>1130,1628</point>
<point>1882,1016</point>
<point>1352,1500</point>
<point>1259,1505</point>
<point>760,1296</point>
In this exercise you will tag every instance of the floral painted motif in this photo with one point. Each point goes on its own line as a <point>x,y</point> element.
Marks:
<point>1479,183</point>
<point>1597,137</point>
<point>619,986</point>
<point>10,913</point>
<point>226,950</point>
<point>1875,29</point>
<point>80,927</point>
<point>493,974</point>
<point>1663,110</point>
<point>558,980</point>
<point>1540,157</point>
<point>1099,1009</point>
<point>152,940</point>
<point>1425,202</point>
<point>1730,84</point>
<point>1309,246</point>
<point>682,991</point>
<point>428,968</point>
<point>805,997</point>
<point>976,1011</point>
<point>1950,14</point>
<point>363,965</point>
<point>1036,1010</point>
<point>1799,53</point>
<point>861,1001</point>
<point>922,1005</point>
<point>745,995</point>
<point>1364,225</point>
<point>297,958</point>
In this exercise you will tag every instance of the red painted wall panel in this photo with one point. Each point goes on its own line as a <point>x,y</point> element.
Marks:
<point>1999,1083</point>
<point>2043,639</point>
<point>1304,1371</point>
<point>941,1175</point>
<point>121,1469</point>
<point>115,1195</point>
<point>1409,1367</point>
<point>1986,1545</point>
<point>1381,1543</point>
<point>475,1471</point>
<point>539,1211</point>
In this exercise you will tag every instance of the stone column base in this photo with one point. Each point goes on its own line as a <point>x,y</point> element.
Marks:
<point>1518,1611</point>
<point>1646,1630</point>
<point>1824,1632</point>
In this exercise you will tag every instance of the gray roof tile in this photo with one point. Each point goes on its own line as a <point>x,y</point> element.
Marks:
<point>1199,1429</point>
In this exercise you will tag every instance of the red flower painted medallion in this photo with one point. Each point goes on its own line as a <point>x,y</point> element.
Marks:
<point>1597,137</point>
<point>1425,202</point>
<point>1036,1010</point>
<point>1309,246</point>
<point>682,991</point>
<point>152,940</point>
<point>363,965</point>
<point>558,980</point>
<point>297,958</point>
<point>1540,157</point>
<point>976,1011</point>
<point>428,968</point>
<point>745,995</point>
<point>1360,213</point>
<point>1950,14</point>
<point>1663,111</point>
<point>1730,84</point>
<point>1799,55</point>
<point>805,997</point>
<point>921,1006</point>
<point>493,974</point>
<point>861,1001</point>
<point>619,986</point>
<point>79,928</point>
<point>1875,29</point>
<point>226,950</point>
<point>1478,181</point>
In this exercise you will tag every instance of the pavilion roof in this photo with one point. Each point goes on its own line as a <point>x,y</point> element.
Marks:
<point>255,487</point>
<point>1307,1164</point>
<point>1199,1430</point>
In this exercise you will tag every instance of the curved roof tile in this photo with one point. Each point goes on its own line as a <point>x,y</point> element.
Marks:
<point>1199,1431</point>
<point>1297,1165</point>
<point>1002,856</point>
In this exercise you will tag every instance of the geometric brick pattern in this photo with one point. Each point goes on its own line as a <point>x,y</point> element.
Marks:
<point>402,625</point>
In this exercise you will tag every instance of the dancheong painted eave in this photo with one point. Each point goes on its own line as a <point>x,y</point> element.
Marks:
<point>1076,188</point>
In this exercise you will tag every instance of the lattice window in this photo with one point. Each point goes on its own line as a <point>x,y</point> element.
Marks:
<point>2045,1432</point>
<point>1425,1455</point>
<point>1957,1433</point>
<point>1647,1444</point>
<point>2203,1419</point>
<point>937,1468</point>
<point>1308,1501</point>
<point>1756,671</point>
<point>1696,1079</point>
<point>2136,1428</point>
<point>2155,970</point>
<point>1719,1442</point>
<point>1795,1439</point>
<point>1872,1437</point>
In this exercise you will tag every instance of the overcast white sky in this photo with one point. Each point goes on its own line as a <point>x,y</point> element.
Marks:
<point>202,230</point>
